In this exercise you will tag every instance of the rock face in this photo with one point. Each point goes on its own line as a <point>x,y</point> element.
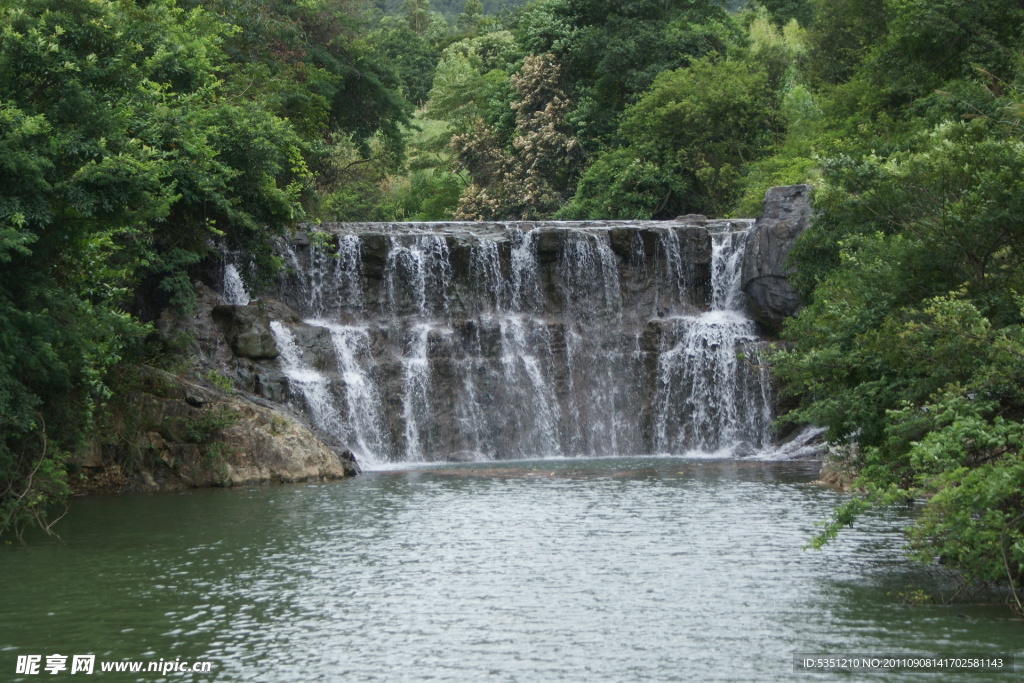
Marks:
<point>457,270</point>
<point>186,435</point>
<point>247,329</point>
<point>785,215</point>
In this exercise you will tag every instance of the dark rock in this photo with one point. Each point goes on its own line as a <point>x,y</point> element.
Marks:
<point>549,245</point>
<point>374,254</point>
<point>785,214</point>
<point>349,463</point>
<point>300,239</point>
<point>247,329</point>
<point>624,243</point>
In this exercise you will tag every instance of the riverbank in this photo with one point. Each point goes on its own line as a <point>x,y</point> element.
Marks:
<point>176,434</point>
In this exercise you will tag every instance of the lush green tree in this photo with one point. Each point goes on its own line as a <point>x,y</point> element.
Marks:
<point>413,56</point>
<point>621,184</point>
<point>450,9</point>
<point>698,127</point>
<point>912,346</point>
<point>126,155</point>
<point>472,17</point>
<point>612,51</point>
<point>530,179</point>
<point>784,11</point>
<point>931,42</point>
<point>782,53</point>
<point>439,31</point>
<point>841,36</point>
<point>472,82</point>
<point>309,62</point>
<point>417,14</point>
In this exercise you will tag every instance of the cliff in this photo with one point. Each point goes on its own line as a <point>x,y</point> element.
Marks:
<point>785,214</point>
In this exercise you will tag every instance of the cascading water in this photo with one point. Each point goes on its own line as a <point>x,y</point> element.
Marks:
<point>712,395</point>
<point>349,287</point>
<point>365,412</point>
<point>233,287</point>
<point>312,385</point>
<point>419,272</point>
<point>416,391</point>
<point>488,341</point>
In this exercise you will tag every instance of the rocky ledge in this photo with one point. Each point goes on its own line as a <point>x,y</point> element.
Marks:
<point>179,434</point>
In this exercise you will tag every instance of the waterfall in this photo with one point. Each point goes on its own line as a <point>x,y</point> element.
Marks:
<point>313,386</point>
<point>525,344</point>
<point>365,412</point>
<point>712,394</point>
<point>418,272</point>
<point>462,341</point>
<point>349,274</point>
<point>416,391</point>
<point>523,276</point>
<point>727,249</point>
<point>678,274</point>
<point>485,273</point>
<point>233,288</point>
<point>590,276</point>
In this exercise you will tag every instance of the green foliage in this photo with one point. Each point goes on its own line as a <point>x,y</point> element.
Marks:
<point>614,50</point>
<point>349,185</point>
<point>913,345</point>
<point>472,82</point>
<point>957,447</point>
<point>417,14</point>
<point>622,185</point>
<point>451,9</point>
<point>429,194</point>
<point>841,35</point>
<point>311,64</point>
<point>220,381</point>
<point>689,136</point>
<point>930,42</point>
<point>203,430</point>
<point>530,179</point>
<point>133,137</point>
<point>784,11</point>
<point>200,429</point>
<point>472,17</point>
<point>414,58</point>
<point>610,56</point>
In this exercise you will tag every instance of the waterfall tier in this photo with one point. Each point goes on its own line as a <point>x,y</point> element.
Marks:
<point>457,341</point>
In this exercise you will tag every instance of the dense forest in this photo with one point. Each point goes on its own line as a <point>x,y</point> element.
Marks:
<point>140,137</point>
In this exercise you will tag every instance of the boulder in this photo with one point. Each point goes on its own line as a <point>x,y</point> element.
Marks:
<point>785,214</point>
<point>226,440</point>
<point>247,329</point>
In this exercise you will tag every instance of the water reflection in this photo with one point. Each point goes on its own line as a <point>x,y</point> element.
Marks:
<point>656,569</point>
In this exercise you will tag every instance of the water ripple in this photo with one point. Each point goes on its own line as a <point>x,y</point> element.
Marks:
<point>611,570</point>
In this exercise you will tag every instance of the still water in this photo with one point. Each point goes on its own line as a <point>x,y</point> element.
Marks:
<point>597,570</point>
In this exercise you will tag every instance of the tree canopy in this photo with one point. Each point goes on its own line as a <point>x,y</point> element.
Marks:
<point>135,138</point>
